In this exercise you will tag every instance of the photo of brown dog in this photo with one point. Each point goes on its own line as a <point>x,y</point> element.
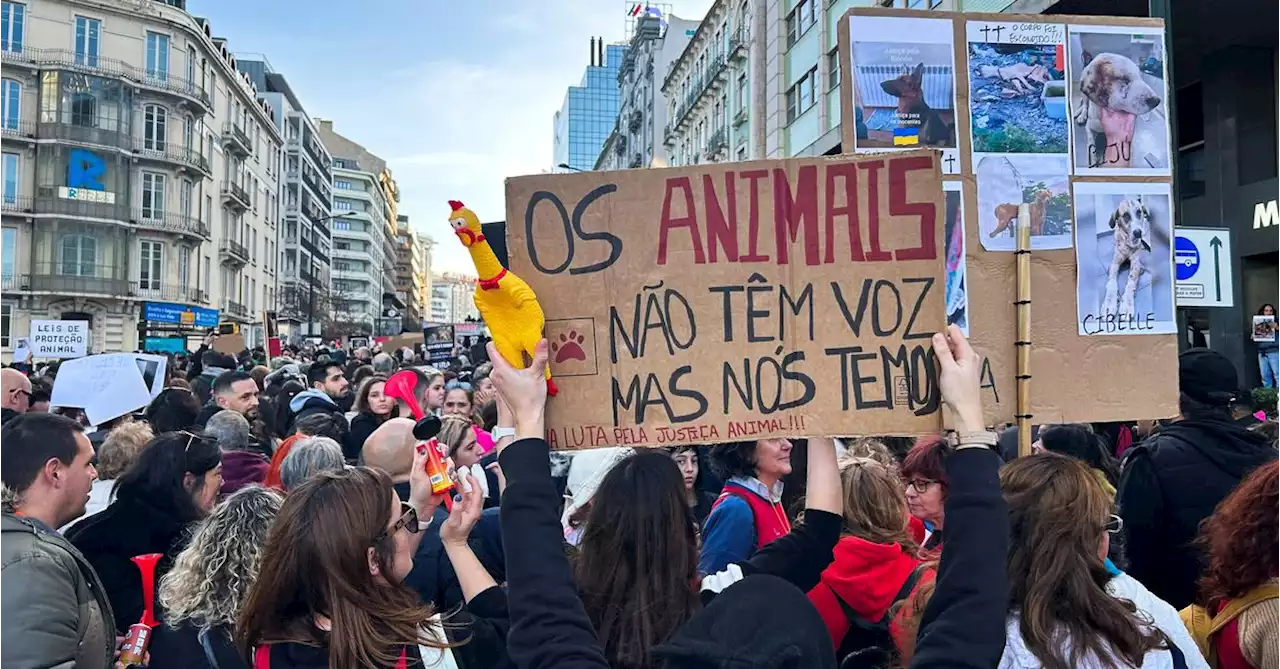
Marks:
<point>1118,112</point>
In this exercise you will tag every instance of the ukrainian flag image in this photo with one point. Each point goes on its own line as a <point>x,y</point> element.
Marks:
<point>906,136</point>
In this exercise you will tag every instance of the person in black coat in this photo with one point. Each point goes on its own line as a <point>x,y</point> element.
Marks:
<point>202,593</point>
<point>173,483</point>
<point>1173,480</point>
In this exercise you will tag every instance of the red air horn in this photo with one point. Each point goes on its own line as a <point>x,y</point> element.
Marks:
<point>400,387</point>
<point>134,651</point>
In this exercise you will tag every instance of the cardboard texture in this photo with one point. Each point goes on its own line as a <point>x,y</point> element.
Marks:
<point>727,302</point>
<point>1075,379</point>
<point>229,343</point>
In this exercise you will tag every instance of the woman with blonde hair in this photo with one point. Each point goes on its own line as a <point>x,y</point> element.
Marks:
<point>458,434</point>
<point>116,454</point>
<point>875,564</point>
<point>1066,609</point>
<point>202,594</point>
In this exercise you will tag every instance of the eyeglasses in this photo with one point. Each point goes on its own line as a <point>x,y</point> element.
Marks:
<point>454,385</point>
<point>921,486</point>
<point>1114,524</point>
<point>408,521</point>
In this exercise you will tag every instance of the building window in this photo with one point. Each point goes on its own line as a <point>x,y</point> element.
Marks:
<point>833,69</point>
<point>88,32</point>
<point>79,255</point>
<point>801,19</point>
<point>152,195</point>
<point>743,92</point>
<point>343,184</point>
<point>184,266</point>
<point>6,318</point>
<point>8,250</point>
<point>191,66</point>
<point>10,177</point>
<point>185,196</point>
<point>189,133</point>
<point>155,121</point>
<point>339,224</point>
<point>12,19</point>
<point>800,96</point>
<point>150,254</point>
<point>11,100</point>
<point>158,56</point>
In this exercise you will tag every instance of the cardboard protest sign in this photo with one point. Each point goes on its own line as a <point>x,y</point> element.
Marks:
<point>439,344</point>
<point>229,343</point>
<point>723,302</point>
<point>1017,84</point>
<point>59,339</point>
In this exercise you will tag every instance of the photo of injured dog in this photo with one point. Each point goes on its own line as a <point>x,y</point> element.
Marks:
<point>1006,181</point>
<point>903,83</point>
<point>1124,257</point>
<point>1119,118</point>
<point>1017,87</point>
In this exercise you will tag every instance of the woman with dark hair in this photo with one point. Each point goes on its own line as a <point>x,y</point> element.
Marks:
<point>1237,613</point>
<point>686,458</point>
<point>924,476</point>
<point>329,592</point>
<point>373,408</point>
<point>172,410</point>
<point>1066,609</point>
<point>203,592</point>
<point>1268,348</point>
<point>1079,441</point>
<point>748,514</point>
<point>173,483</point>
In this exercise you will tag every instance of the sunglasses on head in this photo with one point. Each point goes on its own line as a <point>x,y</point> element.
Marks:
<point>454,385</point>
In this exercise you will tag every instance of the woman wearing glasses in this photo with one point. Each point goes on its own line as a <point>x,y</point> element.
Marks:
<point>924,475</point>
<point>173,483</point>
<point>330,591</point>
<point>1066,609</point>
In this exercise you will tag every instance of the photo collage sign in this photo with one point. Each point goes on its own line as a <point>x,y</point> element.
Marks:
<point>1065,114</point>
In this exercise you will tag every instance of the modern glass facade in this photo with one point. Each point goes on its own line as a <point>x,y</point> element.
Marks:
<point>590,110</point>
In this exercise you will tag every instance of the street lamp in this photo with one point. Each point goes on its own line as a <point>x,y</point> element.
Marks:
<point>315,271</point>
<point>567,166</point>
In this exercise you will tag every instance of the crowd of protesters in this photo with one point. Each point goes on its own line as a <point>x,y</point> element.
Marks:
<point>291,506</point>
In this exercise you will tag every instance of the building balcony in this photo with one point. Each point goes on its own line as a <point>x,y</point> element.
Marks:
<point>636,161</point>
<point>86,130</point>
<point>164,152</point>
<point>738,44</point>
<point>717,144</point>
<point>21,131</point>
<point>9,282</point>
<point>635,120</point>
<point>49,200</point>
<point>710,81</point>
<point>178,224</point>
<point>66,59</point>
<point>314,250</point>
<point>61,278</point>
<point>235,195</point>
<point>235,309</point>
<point>235,138</point>
<point>233,253</point>
<point>169,292</point>
<point>19,204</point>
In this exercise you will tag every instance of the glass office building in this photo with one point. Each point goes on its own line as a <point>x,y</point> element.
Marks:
<point>589,112</point>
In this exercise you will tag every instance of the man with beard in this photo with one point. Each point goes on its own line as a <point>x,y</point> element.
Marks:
<point>328,393</point>
<point>233,391</point>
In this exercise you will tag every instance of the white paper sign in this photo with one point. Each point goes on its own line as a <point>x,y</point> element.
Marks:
<point>106,386</point>
<point>59,339</point>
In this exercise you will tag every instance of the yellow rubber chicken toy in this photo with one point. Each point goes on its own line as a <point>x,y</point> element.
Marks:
<point>506,303</point>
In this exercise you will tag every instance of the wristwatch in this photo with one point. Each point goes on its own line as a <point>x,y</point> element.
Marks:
<point>424,524</point>
<point>500,432</point>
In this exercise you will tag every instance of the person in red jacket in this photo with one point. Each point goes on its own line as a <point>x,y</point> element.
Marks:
<point>875,564</point>
<point>748,514</point>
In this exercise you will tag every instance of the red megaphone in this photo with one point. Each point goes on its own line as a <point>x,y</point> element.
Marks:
<point>400,387</point>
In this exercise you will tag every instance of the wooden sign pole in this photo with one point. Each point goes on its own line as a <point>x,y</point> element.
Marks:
<point>1022,342</point>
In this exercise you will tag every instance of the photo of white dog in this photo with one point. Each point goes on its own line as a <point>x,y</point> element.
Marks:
<point>1124,259</point>
<point>1119,118</point>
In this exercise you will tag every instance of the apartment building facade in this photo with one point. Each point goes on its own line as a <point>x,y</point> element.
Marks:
<point>714,101</point>
<point>364,233</point>
<point>637,140</point>
<point>138,166</point>
<point>590,110</point>
<point>453,299</point>
<point>305,245</point>
<point>412,274</point>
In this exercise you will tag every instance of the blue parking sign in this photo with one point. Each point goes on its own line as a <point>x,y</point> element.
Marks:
<point>1186,257</point>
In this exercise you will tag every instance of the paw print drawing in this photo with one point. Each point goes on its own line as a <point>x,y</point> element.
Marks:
<point>569,347</point>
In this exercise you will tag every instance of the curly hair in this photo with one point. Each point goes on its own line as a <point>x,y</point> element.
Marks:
<point>211,576</point>
<point>1240,539</point>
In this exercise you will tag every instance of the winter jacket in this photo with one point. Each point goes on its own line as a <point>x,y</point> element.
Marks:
<point>57,614</point>
<point>7,414</point>
<point>184,648</point>
<point>745,517</point>
<point>314,401</point>
<point>362,426</point>
<point>1172,482</point>
<point>130,526</point>
<point>866,578</point>
<point>206,412</point>
<point>242,468</point>
<point>1148,607</point>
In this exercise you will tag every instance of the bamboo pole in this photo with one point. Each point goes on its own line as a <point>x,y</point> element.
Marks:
<point>1022,342</point>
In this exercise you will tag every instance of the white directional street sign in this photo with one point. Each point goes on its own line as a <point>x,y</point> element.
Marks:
<point>1202,264</point>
